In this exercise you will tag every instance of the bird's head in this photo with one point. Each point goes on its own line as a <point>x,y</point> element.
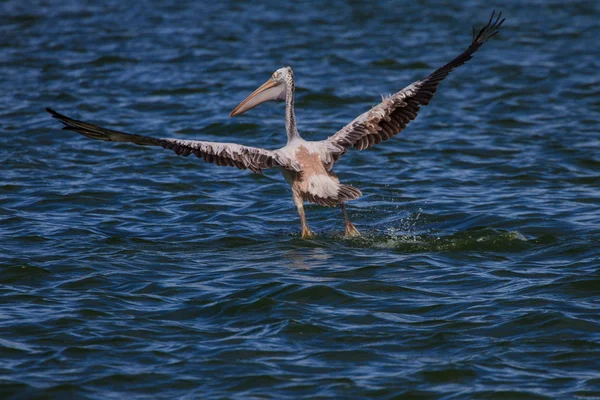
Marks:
<point>273,89</point>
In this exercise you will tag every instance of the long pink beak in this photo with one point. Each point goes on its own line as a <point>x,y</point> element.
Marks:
<point>270,90</point>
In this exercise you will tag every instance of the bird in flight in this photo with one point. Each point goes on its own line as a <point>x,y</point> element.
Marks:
<point>306,165</point>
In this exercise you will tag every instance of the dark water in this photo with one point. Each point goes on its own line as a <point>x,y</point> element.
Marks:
<point>129,271</point>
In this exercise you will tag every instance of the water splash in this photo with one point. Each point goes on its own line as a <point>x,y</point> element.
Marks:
<point>483,239</point>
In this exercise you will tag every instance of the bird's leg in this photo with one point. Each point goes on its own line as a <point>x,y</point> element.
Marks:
<point>351,230</point>
<point>306,233</point>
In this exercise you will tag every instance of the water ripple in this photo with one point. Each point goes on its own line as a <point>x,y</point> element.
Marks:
<point>127,271</point>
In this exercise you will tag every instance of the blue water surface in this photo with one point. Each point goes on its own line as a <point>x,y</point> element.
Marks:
<point>127,271</point>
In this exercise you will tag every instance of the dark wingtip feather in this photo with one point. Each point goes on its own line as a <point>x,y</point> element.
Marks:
<point>62,118</point>
<point>490,30</point>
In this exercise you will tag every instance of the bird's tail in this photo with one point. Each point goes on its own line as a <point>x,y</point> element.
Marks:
<point>347,193</point>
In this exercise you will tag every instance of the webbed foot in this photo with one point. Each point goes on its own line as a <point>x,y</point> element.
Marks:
<point>351,230</point>
<point>307,233</point>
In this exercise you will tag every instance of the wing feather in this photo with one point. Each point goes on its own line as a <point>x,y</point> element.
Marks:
<point>391,116</point>
<point>222,154</point>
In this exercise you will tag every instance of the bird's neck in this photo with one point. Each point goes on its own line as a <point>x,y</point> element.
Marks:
<point>290,115</point>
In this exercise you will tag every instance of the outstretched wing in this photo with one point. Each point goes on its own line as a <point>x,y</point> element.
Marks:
<point>226,154</point>
<point>392,115</point>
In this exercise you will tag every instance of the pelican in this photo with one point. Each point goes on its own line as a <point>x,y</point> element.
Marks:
<point>306,165</point>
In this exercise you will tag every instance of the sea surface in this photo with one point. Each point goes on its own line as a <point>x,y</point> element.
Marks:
<point>130,272</point>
